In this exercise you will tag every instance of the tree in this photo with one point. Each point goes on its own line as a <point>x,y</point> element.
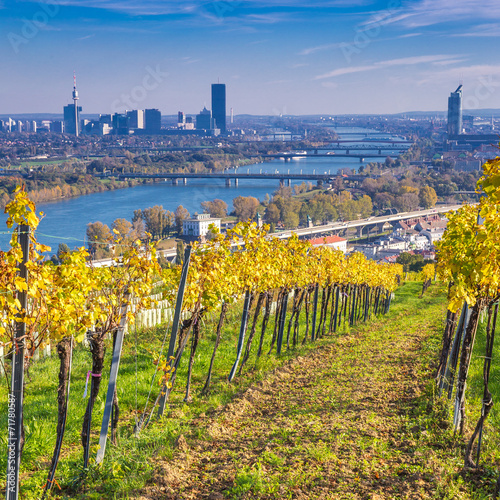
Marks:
<point>383,200</point>
<point>365,206</point>
<point>179,253</point>
<point>61,250</point>
<point>245,207</point>
<point>137,215</point>
<point>407,202</point>
<point>154,220</point>
<point>405,259</point>
<point>291,220</point>
<point>169,221</point>
<point>98,236</point>
<point>180,215</point>
<point>216,208</point>
<point>123,226</point>
<point>427,197</point>
<point>272,214</point>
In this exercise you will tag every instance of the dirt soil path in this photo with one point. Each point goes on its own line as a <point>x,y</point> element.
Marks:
<point>344,422</point>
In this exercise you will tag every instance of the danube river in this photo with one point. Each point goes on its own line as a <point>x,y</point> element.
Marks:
<point>65,221</point>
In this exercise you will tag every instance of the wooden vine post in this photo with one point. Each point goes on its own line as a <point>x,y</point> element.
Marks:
<point>175,324</point>
<point>15,403</point>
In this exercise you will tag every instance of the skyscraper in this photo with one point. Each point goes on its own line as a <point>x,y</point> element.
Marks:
<point>204,120</point>
<point>219,106</point>
<point>136,118</point>
<point>455,112</point>
<point>152,121</point>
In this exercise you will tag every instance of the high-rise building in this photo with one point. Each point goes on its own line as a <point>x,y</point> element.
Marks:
<point>219,106</point>
<point>57,126</point>
<point>455,112</point>
<point>153,121</point>
<point>70,120</point>
<point>120,124</point>
<point>136,118</point>
<point>105,119</point>
<point>204,120</point>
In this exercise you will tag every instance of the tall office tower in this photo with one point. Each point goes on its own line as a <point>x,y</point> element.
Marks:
<point>33,126</point>
<point>153,121</point>
<point>120,124</point>
<point>136,118</point>
<point>205,120</point>
<point>455,112</point>
<point>181,118</point>
<point>219,106</point>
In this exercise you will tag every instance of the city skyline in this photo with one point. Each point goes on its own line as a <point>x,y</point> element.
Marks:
<point>333,57</point>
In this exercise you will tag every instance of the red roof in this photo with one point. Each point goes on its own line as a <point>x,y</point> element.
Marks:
<point>326,240</point>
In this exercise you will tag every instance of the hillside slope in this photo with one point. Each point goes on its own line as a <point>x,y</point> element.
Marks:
<point>352,420</point>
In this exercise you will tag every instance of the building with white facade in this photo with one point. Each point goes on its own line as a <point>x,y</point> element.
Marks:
<point>198,226</point>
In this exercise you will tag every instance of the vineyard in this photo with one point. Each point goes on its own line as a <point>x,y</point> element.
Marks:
<point>243,304</point>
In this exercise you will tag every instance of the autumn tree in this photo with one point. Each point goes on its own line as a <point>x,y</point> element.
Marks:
<point>180,215</point>
<point>123,226</point>
<point>272,215</point>
<point>98,237</point>
<point>427,197</point>
<point>155,220</point>
<point>216,208</point>
<point>407,202</point>
<point>245,207</point>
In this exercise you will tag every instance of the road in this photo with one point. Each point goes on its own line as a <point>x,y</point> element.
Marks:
<point>334,226</point>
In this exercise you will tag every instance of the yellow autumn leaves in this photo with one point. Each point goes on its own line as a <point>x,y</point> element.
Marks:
<point>71,298</point>
<point>247,258</point>
<point>469,253</point>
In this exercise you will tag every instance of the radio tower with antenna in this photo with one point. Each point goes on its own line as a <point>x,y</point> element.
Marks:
<point>75,102</point>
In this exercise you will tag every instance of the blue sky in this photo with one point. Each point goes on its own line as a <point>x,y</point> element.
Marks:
<point>329,57</point>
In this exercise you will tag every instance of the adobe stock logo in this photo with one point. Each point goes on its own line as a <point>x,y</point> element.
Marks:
<point>150,82</point>
<point>367,33</point>
<point>486,86</point>
<point>31,27</point>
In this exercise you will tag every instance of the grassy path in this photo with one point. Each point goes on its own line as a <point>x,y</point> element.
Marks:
<point>351,420</point>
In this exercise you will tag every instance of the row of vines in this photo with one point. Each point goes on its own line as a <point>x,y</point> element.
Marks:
<point>75,303</point>
<point>469,260</point>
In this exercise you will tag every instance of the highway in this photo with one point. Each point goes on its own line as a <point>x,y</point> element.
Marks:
<point>370,221</point>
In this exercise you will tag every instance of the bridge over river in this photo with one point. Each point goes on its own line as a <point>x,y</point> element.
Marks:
<point>234,177</point>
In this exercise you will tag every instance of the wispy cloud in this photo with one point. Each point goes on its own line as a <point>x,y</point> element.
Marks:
<point>469,74</point>
<point>86,37</point>
<point>482,30</point>
<point>404,61</point>
<point>312,50</point>
<point>430,12</point>
<point>165,7</point>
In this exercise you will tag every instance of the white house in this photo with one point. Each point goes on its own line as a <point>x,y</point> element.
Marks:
<point>198,226</point>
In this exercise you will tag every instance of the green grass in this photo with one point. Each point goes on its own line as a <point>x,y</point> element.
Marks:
<point>130,465</point>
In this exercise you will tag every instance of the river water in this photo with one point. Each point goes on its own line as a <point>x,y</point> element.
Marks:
<point>65,221</point>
